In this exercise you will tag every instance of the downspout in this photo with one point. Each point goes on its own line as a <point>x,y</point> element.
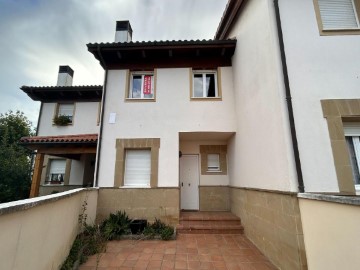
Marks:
<point>103,98</point>
<point>288,99</point>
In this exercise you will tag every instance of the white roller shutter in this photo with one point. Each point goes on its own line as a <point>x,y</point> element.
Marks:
<point>66,109</point>
<point>57,166</point>
<point>213,162</point>
<point>338,14</point>
<point>137,168</point>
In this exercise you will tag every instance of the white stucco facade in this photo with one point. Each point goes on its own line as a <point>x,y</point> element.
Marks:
<point>320,67</point>
<point>85,120</point>
<point>171,113</point>
<point>260,155</point>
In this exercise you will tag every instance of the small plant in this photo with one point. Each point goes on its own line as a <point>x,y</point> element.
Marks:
<point>167,233</point>
<point>116,225</point>
<point>158,226</point>
<point>62,120</point>
<point>149,232</point>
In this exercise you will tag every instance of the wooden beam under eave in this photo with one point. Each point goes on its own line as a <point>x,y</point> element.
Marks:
<point>68,150</point>
<point>36,178</point>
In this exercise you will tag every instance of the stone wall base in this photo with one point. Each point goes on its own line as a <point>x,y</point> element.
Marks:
<point>140,203</point>
<point>214,198</point>
<point>272,222</point>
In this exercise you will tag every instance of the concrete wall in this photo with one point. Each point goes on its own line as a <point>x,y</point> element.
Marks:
<point>140,203</point>
<point>272,222</point>
<point>260,154</point>
<point>85,120</point>
<point>171,113</point>
<point>331,233</point>
<point>320,67</point>
<point>38,233</point>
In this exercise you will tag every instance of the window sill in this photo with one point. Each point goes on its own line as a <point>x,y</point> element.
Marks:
<point>339,32</point>
<point>134,187</point>
<point>52,185</point>
<point>140,100</point>
<point>205,98</point>
<point>214,171</point>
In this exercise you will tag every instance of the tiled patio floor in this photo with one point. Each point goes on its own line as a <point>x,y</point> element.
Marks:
<point>189,251</point>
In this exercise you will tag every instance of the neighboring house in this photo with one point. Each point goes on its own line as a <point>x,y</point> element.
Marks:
<point>268,109</point>
<point>67,134</point>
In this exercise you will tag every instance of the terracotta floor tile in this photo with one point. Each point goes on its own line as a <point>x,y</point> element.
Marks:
<point>181,257</point>
<point>129,263</point>
<point>156,263</point>
<point>193,257</point>
<point>180,265</point>
<point>206,265</point>
<point>157,256</point>
<point>169,257</point>
<point>193,264</point>
<point>116,262</point>
<point>168,264</point>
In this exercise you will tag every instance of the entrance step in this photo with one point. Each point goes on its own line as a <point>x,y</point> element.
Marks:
<point>209,223</point>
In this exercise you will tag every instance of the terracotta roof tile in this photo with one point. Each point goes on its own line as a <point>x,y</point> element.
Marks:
<point>79,138</point>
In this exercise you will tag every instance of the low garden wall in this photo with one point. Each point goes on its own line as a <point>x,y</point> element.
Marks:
<point>38,233</point>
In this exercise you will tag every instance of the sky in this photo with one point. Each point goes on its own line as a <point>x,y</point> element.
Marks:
<point>37,36</point>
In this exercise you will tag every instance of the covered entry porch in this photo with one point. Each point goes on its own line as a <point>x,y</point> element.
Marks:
<point>62,162</point>
<point>203,171</point>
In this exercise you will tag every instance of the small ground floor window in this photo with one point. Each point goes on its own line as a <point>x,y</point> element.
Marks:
<point>56,172</point>
<point>137,168</point>
<point>352,136</point>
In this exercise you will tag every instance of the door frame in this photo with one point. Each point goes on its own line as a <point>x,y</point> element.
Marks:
<point>198,181</point>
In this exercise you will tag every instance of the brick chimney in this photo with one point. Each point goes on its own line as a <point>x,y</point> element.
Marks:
<point>123,31</point>
<point>65,76</point>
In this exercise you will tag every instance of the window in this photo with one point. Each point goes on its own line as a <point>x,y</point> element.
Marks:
<point>213,159</point>
<point>142,85</point>
<point>136,163</point>
<point>213,162</point>
<point>338,14</point>
<point>352,137</point>
<point>57,172</point>
<point>137,168</point>
<point>66,109</point>
<point>204,84</point>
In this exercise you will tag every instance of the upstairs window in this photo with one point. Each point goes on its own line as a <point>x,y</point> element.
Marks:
<point>204,84</point>
<point>67,110</point>
<point>142,86</point>
<point>57,172</point>
<point>338,14</point>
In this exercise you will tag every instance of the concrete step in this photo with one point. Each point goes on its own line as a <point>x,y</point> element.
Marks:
<point>209,223</point>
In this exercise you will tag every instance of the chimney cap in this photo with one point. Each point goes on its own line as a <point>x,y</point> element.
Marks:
<point>124,25</point>
<point>66,69</point>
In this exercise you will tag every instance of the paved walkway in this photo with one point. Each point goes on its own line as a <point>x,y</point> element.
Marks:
<point>189,251</point>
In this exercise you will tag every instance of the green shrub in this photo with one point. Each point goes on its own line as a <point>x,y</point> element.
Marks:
<point>158,226</point>
<point>167,233</point>
<point>116,225</point>
<point>149,232</point>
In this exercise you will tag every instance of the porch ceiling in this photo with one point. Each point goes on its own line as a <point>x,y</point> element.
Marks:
<point>205,136</point>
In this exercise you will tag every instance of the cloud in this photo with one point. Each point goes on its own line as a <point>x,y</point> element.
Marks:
<point>39,35</point>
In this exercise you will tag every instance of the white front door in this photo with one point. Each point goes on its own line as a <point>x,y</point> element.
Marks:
<point>189,182</point>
